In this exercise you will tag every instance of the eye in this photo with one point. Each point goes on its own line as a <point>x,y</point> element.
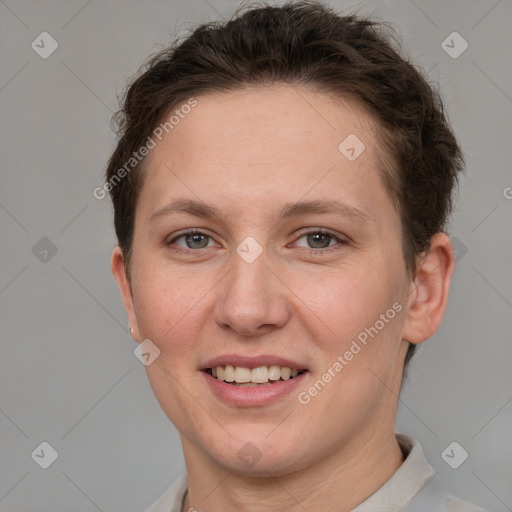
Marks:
<point>192,240</point>
<point>319,239</point>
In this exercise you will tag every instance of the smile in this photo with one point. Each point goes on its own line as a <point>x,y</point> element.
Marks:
<point>249,377</point>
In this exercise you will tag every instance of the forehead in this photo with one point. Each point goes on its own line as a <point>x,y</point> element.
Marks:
<point>275,119</point>
<point>250,144</point>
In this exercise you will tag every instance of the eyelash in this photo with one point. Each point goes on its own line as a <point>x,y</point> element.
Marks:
<point>310,252</point>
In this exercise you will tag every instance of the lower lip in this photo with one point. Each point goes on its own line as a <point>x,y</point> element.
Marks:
<point>252,396</point>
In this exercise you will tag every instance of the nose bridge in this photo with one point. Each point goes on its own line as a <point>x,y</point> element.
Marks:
<point>249,274</point>
<point>250,297</point>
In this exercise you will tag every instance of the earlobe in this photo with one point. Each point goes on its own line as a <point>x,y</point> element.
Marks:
<point>429,290</point>
<point>117,266</point>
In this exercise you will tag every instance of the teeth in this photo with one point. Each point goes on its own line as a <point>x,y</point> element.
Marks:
<point>250,384</point>
<point>229,373</point>
<point>259,375</point>
<point>247,376</point>
<point>274,372</point>
<point>286,373</point>
<point>242,374</point>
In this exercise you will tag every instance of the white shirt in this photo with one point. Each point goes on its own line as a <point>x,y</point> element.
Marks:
<point>413,488</point>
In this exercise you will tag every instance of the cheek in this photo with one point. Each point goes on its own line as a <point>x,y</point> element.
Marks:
<point>169,307</point>
<point>356,318</point>
<point>170,313</point>
<point>344,301</point>
<point>356,322</point>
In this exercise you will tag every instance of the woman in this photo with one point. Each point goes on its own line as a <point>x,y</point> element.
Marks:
<point>280,190</point>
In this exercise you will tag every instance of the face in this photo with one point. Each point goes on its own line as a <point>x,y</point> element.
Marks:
<point>259,243</point>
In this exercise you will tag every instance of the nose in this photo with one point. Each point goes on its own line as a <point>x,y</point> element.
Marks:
<point>252,300</point>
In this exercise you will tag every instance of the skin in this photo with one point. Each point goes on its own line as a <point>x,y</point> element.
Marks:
<point>248,152</point>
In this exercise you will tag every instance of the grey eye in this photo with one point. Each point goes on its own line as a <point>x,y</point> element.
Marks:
<point>316,240</point>
<point>196,241</point>
<point>192,240</point>
<point>319,240</point>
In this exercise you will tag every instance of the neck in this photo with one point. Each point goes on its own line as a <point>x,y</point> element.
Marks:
<point>337,483</point>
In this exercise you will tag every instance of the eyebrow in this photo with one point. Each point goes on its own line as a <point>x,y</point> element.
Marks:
<point>208,211</point>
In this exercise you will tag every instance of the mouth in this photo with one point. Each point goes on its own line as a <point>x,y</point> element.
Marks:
<point>241,376</point>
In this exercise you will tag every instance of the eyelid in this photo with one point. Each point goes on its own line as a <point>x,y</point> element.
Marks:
<point>324,231</point>
<point>342,240</point>
<point>188,231</point>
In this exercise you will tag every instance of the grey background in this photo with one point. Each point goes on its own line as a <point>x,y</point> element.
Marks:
<point>68,373</point>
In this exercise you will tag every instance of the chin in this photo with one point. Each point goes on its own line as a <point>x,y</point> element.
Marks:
<point>264,467</point>
<point>260,455</point>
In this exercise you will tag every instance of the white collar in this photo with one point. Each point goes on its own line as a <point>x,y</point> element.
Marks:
<point>408,480</point>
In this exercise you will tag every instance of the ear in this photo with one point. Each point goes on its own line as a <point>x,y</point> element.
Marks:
<point>117,265</point>
<point>428,293</point>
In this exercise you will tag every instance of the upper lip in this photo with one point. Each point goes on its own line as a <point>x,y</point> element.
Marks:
<point>252,361</point>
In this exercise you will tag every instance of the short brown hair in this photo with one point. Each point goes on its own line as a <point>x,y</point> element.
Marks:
<point>303,43</point>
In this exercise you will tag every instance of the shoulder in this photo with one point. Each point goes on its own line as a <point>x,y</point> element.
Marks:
<point>433,495</point>
<point>456,505</point>
<point>172,499</point>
